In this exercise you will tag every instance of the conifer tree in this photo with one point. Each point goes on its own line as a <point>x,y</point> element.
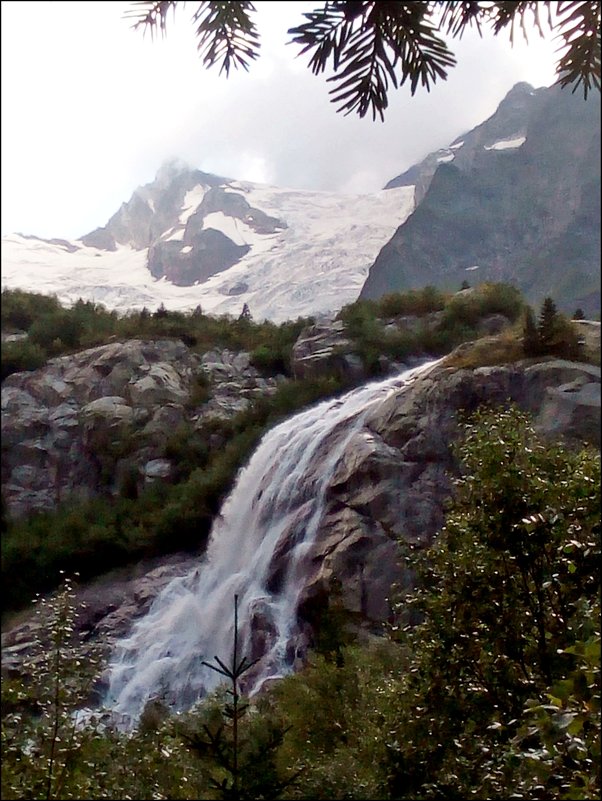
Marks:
<point>531,341</point>
<point>547,326</point>
<point>372,48</point>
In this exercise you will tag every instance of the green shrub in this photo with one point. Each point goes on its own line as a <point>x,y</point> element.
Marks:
<point>19,309</point>
<point>21,355</point>
<point>413,302</point>
<point>270,361</point>
<point>505,596</point>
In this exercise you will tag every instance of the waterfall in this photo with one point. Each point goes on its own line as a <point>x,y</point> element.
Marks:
<point>268,521</point>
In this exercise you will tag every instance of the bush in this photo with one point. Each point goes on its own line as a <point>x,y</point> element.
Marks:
<point>468,308</point>
<point>415,302</point>
<point>505,595</point>
<point>20,356</point>
<point>270,361</point>
<point>19,309</point>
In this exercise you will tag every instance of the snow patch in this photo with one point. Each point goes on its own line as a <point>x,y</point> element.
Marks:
<point>236,230</point>
<point>175,234</point>
<point>192,200</point>
<point>456,146</point>
<point>476,267</point>
<point>445,159</point>
<point>186,249</point>
<point>507,144</point>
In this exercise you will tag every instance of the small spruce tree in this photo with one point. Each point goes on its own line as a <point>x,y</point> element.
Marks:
<point>531,341</point>
<point>547,326</point>
<point>237,770</point>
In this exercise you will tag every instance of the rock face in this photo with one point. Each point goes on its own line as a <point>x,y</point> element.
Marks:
<point>179,218</point>
<point>390,483</point>
<point>325,348</point>
<point>72,428</point>
<point>517,199</point>
<point>394,478</point>
<point>106,608</point>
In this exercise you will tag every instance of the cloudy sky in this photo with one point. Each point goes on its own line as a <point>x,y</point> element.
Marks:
<point>92,108</point>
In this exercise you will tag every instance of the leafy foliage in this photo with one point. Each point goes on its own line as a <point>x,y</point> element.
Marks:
<point>506,597</point>
<point>38,750</point>
<point>445,320</point>
<point>19,309</point>
<point>54,330</point>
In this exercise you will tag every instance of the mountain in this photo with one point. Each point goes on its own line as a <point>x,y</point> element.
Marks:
<point>516,199</point>
<point>191,238</point>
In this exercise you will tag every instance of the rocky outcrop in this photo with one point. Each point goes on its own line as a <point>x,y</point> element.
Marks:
<point>509,122</point>
<point>395,477</point>
<point>73,428</point>
<point>106,608</point>
<point>178,217</point>
<point>325,348</point>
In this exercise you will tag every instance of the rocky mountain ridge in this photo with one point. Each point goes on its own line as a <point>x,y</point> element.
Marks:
<point>502,131</point>
<point>515,200</point>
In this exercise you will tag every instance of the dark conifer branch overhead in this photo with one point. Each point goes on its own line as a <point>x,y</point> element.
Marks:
<point>373,47</point>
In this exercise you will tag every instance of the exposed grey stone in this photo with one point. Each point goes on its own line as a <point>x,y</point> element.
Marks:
<point>322,348</point>
<point>157,469</point>
<point>65,420</point>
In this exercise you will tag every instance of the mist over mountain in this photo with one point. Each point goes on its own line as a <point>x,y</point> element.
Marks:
<point>517,199</point>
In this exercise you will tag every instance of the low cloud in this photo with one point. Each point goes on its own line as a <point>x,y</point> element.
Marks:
<point>83,130</point>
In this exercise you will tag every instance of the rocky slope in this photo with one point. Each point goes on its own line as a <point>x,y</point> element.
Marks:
<point>391,483</point>
<point>78,426</point>
<point>517,199</point>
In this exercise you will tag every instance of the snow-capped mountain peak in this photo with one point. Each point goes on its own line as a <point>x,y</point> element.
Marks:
<point>191,238</point>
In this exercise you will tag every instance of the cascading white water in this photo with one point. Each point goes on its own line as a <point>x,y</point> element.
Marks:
<point>273,511</point>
